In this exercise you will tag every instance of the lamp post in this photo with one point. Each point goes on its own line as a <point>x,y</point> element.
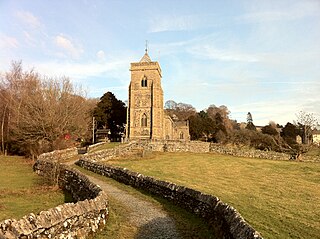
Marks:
<point>93,124</point>
<point>109,135</point>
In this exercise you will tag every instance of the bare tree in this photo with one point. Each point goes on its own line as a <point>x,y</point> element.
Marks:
<point>181,111</point>
<point>40,112</point>
<point>170,105</point>
<point>224,112</point>
<point>307,122</point>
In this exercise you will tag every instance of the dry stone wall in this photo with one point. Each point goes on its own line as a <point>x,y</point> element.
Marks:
<point>121,150</point>
<point>59,155</point>
<point>139,148</point>
<point>70,220</point>
<point>224,219</point>
<point>246,152</point>
<point>93,146</point>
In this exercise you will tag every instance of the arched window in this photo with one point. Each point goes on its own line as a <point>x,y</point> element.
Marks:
<point>144,82</point>
<point>144,120</point>
<point>181,135</point>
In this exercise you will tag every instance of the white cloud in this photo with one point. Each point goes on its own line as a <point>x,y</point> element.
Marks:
<point>211,52</point>
<point>8,42</point>
<point>97,77</point>
<point>83,71</point>
<point>171,23</point>
<point>30,40</point>
<point>164,23</point>
<point>66,44</point>
<point>270,11</point>
<point>101,55</point>
<point>28,19</point>
<point>280,111</point>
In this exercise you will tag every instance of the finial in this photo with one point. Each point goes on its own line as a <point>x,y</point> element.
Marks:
<point>146,46</point>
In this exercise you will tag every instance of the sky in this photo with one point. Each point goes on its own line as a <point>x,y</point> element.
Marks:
<point>261,56</point>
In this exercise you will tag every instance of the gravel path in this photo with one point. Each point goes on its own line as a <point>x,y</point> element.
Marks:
<point>152,222</point>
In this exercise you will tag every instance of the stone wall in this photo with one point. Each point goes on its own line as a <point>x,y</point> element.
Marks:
<point>247,152</point>
<point>222,218</point>
<point>93,146</point>
<point>130,149</point>
<point>139,148</point>
<point>59,155</point>
<point>70,220</point>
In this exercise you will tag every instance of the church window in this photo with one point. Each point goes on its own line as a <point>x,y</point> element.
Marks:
<point>144,82</point>
<point>144,120</point>
<point>181,135</point>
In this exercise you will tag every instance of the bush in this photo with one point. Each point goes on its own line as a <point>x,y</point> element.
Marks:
<point>256,140</point>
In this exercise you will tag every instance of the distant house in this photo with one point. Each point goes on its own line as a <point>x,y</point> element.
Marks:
<point>316,136</point>
<point>102,135</point>
<point>299,139</point>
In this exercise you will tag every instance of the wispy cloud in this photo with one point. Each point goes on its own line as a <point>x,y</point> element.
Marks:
<point>101,55</point>
<point>78,70</point>
<point>172,23</point>
<point>8,42</point>
<point>72,49</point>
<point>270,11</point>
<point>166,23</point>
<point>28,19</point>
<point>214,53</point>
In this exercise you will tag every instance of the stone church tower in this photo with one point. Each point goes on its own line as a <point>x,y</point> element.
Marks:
<point>146,118</point>
<point>145,113</point>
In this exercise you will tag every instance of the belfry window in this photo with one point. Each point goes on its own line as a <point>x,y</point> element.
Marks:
<point>181,135</point>
<point>144,120</point>
<point>144,82</point>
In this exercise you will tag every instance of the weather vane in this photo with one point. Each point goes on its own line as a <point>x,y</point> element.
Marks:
<point>146,46</point>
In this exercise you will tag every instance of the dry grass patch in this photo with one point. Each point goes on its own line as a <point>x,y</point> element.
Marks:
<point>278,198</point>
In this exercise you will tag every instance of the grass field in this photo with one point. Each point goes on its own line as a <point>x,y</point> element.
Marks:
<point>280,199</point>
<point>106,146</point>
<point>22,191</point>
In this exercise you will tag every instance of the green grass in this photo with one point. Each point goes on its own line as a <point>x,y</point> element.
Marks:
<point>22,191</point>
<point>280,199</point>
<point>106,146</point>
<point>118,226</point>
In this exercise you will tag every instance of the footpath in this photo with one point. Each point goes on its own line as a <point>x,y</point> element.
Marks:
<point>152,222</point>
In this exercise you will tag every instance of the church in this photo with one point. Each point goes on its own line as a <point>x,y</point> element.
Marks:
<point>146,117</point>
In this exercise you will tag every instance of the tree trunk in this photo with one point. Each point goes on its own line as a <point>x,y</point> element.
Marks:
<point>2,129</point>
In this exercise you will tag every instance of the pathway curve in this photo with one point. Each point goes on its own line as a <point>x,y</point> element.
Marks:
<point>152,222</point>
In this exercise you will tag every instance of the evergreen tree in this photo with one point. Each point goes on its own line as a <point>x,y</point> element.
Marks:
<point>110,113</point>
<point>250,124</point>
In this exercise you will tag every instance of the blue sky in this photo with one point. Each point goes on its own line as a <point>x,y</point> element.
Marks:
<point>258,56</point>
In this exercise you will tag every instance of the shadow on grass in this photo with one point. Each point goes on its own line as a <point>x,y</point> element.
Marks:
<point>45,184</point>
<point>158,228</point>
<point>187,224</point>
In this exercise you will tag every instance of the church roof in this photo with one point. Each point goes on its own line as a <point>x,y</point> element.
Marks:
<point>145,58</point>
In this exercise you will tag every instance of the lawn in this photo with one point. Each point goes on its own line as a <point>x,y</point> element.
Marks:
<point>109,145</point>
<point>280,199</point>
<point>22,191</point>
